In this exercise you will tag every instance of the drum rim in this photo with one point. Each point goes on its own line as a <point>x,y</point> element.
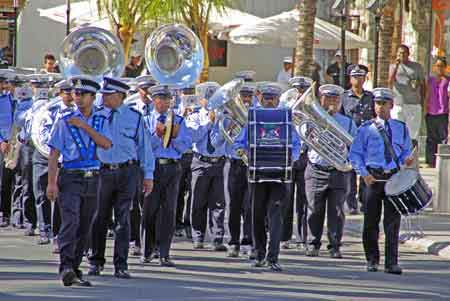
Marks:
<point>386,187</point>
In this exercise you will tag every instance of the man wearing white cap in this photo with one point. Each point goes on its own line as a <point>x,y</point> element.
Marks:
<point>285,74</point>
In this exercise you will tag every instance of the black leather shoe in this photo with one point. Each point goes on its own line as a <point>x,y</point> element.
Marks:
<point>259,263</point>
<point>336,254</point>
<point>145,259</point>
<point>123,274</point>
<point>166,262</point>
<point>312,252</point>
<point>79,281</point>
<point>156,254</point>
<point>178,233</point>
<point>372,267</point>
<point>198,245</point>
<point>285,245</point>
<point>275,266</point>
<point>95,270</point>
<point>393,269</point>
<point>233,251</point>
<point>68,277</point>
<point>220,248</point>
<point>252,254</point>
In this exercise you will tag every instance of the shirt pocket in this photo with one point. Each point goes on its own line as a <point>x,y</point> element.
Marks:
<point>128,132</point>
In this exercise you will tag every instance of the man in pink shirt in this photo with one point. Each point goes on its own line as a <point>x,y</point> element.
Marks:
<point>437,106</point>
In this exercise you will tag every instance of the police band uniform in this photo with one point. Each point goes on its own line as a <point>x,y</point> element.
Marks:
<point>372,160</point>
<point>161,203</point>
<point>325,185</point>
<point>208,195</point>
<point>76,136</point>
<point>297,188</point>
<point>357,104</point>
<point>268,198</point>
<point>119,172</point>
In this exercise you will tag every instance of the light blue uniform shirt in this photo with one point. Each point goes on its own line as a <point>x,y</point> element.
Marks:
<point>6,116</point>
<point>177,146</point>
<point>200,127</point>
<point>142,107</point>
<point>62,140</point>
<point>130,141</point>
<point>368,146</point>
<point>346,123</point>
<point>21,116</point>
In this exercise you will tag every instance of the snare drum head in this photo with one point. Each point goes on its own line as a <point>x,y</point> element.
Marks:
<point>401,181</point>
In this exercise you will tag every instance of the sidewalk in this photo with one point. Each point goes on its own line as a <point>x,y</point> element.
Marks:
<point>436,229</point>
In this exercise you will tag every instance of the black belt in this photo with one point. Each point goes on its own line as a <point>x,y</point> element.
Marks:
<point>381,173</point>
<point>322,168</point>
<point>119,165</point>
<point>81,172</point>
<point>166,161</point>
<point>208,159</point>
<point>237,161</point>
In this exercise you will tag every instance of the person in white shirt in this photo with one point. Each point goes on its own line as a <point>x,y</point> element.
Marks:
<point>285,74</point>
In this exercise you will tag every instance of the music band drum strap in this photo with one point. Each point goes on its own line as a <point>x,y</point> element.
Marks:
<point>387,143</point>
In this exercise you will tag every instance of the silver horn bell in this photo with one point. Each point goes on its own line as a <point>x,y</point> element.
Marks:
<point>92,51</point>
<point>318,129</point>
<point>174,55</point>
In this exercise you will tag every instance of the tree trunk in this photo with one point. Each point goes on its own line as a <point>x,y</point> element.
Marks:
<point>304,59</point>
<point>204,75</point>
<point>387,31</point>
<point>126,33</point>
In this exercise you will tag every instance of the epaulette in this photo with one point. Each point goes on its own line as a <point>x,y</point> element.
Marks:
<point>367,123</point>
<point>67,115</point>
<point>136,111</point>
<point>54,107</point>
<point>131,103</point>
<point>98,108</point>
<point>399,121</point>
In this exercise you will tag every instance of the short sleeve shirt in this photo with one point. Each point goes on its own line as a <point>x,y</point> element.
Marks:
<point>407,83</point>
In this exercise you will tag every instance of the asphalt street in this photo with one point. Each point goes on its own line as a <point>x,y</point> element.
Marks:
<point>28,272</point>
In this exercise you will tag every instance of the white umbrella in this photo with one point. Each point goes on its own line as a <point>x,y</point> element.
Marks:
<point>281,30</point>
<point>85,12</point>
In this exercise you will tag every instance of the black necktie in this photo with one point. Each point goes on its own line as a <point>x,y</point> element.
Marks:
<point>209,147</point>
<point>387,153</point>
<point>111,116</point>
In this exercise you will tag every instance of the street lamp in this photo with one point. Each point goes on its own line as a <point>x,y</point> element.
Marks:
<point>16,9</point>
<point>67,17</point>
<point>376,7</point>
<point>341,5</point>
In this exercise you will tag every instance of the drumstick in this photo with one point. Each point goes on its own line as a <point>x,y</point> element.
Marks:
<point>379,180</point>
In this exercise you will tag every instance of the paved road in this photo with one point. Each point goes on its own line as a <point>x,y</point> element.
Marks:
<point>28,272</point>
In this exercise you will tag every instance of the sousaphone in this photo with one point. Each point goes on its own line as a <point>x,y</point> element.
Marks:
<point>174,56</point>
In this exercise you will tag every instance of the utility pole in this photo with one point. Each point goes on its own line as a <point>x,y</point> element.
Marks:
<point>68,17</point>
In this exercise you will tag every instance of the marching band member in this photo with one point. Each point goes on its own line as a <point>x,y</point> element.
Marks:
<point>145,106</point>
<point>325,185</point>
<point>160,205</point>
<point>297,190</point>
<point>268,198</point>
<point>238,186</point>
<point>357,104</point>
<point>183,216</point>
<point>6,125</point>
<point>207,175</point>
<point>372,159</point>
<point>119,173</point>
<point>76,137</point>
<point>23,189</point>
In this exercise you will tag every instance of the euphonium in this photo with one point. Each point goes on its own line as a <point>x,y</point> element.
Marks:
<point>320,131</point>
<point>231,109</point>
<point>174,57</point>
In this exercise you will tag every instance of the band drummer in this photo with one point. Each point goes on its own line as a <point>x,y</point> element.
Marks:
<point>372,160</point>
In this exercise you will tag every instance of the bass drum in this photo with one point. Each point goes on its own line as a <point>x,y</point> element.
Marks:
<point>408,192</point>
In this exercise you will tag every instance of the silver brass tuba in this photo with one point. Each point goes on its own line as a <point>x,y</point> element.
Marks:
<point>88,51</point>
<point>174,56</point>
<point>92,51</point>
<point>229,105</point>
<point>320,131</point>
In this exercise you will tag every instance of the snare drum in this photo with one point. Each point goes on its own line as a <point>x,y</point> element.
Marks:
<point>270,140</point>
<point>408,192</point>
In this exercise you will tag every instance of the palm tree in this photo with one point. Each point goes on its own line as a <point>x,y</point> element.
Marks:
<point>385,51</point>
<point>195,14</point>
<point>305,38</point>
<point>127,16</point>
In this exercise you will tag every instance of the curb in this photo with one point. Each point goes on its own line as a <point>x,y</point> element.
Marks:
<point>441,248</point>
